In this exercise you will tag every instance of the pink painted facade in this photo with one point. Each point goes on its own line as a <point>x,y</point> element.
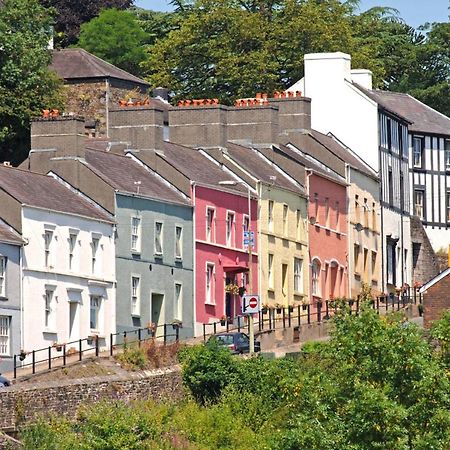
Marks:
<point>220,219</point>
<point>328,244</point>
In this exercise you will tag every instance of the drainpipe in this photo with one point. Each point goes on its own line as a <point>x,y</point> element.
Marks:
<point>258,221</point>
<point>194,259</point>
<point>383,286</point>
<point>22,322</point>
<point>107,106</point>
<point>308,174</point>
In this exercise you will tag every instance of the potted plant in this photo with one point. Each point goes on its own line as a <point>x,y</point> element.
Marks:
<point>265,308</point>
<point>57,346</point>
<point>291,308</point>
<point>22,355</point>
<point>242,291</point>
<point>223,320</point>
<point>319,303</point>
<point>176,323</point>
<point>279,308</point>
<point>232,288</point>
<point>350,302</point>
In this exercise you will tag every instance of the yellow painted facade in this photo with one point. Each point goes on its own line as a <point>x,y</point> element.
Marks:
<point>283,246</point>
<point>364,213</point>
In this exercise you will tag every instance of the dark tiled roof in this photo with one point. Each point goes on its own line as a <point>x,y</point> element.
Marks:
<point>42,191</point>
<point>8,235</point>
<point>376,97</point>
<point>310,163</point>
<point>77,63</point>
<point>122,173</point>
<point>343,153</point>
<point>424,119</point>
<point>253,163</point>
<point>196,166</point>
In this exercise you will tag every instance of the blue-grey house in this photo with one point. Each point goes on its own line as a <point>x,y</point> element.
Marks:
<point>154,237</point>
<point>10,296</point>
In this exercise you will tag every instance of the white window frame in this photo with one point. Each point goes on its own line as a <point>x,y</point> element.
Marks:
<point>270,275</point>
<point>136,232</point>
<point>178,301</point>
<point>298,274</point>
<point>285,219</point>
<point>270,207</point>
<point>5,336</point>
<point>210,224</point>
<point>160,237</point>
<point>298,217</point>
<point>230,229</point>
<point>135,295</point>
<point>3,265</point>
<point>95,304</point>
<point>210,284</point>
<point>95,246</point>
<point>356,252</point>
<point>447,154</point>
<point>178,242</point>
<point>327,212</point>
<point>417,152</point>
<point>49,309</point>
<point>419,210</point>
<point>315,277</point>
<point>447,205</point>
<point>48,238</point>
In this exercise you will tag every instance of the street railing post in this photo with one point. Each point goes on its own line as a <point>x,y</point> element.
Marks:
<point>33,361</point>
<point>165,333</point>
<point>309,314</point>
<point>64,354</point>
<point>111,351</point>
<point>97,346</point>
<point>15,366</point>
<point>80,349</point>
<point>204,332</point>
<point>139,338</point>
<point>49,358</point>
<point>284,318</point>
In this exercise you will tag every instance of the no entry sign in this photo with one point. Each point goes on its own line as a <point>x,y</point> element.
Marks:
<point>250,304</point>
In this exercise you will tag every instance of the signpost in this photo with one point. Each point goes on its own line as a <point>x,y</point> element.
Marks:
<point>250,306</point>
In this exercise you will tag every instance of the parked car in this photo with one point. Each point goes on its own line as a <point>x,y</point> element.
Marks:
<point>4,382</point>
<point>236,341</point>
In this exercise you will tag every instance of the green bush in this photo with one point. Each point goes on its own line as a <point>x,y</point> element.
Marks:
<point>133,358</point>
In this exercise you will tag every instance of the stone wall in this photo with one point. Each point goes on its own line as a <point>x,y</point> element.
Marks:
<point>436,300</point>
<point>20,404</point>
<point>425,262</point>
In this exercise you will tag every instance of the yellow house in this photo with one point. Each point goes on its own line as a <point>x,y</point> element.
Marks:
<point>283,259</point>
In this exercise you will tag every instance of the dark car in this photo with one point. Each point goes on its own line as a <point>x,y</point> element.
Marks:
<point>4,382</point>
<point>236,341</point>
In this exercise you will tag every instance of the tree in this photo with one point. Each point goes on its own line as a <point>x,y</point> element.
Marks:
<point>26,84</point>
<point>70,15</point>
<point>116,37</point>
<point>234,48</point>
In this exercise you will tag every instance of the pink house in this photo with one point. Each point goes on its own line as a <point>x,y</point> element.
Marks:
<point>328,245</point>
<point>221,217</point>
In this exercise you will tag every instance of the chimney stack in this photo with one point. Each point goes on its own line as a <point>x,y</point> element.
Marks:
<point>141,127</point>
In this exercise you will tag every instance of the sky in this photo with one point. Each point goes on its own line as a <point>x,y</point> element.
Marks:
<point>414,12</point>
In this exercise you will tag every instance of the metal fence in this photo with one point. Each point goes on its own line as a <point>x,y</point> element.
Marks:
<point>296,316</point>
<point>60,354</point>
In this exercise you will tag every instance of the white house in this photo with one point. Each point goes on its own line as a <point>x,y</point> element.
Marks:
<point>68,268</point>
<point>342,106</point>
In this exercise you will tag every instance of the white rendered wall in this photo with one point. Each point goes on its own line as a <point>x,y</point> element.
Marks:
<point>339,107</point>
<point>69,286</point>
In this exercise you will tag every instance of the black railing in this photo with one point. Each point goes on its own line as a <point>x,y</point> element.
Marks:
<point>46,358</point>
<point>270,319</point>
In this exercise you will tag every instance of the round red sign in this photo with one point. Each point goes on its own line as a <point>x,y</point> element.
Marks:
<point>253,302</point>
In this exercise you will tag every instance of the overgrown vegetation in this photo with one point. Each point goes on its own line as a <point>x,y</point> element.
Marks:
<point>150,355</point>
<point>377,384</point>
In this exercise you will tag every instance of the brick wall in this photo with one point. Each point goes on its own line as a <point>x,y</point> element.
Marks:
<point>436,300</point>
<point>21,404</point>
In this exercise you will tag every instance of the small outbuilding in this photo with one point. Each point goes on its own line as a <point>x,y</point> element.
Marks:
<point>436,297</point>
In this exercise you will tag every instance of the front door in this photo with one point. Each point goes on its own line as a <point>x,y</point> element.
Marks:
<point>157,313</point>
<point>74,325</point>
<point>228,300</point>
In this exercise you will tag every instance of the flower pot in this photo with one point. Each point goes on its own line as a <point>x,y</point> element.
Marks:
<point>278,310</point>
<point>223,322</point>
<point>304,307</point>
<point>291,309</point>
<point>264,310</point>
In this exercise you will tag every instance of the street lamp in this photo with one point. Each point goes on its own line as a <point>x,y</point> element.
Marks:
<point>250,257</point>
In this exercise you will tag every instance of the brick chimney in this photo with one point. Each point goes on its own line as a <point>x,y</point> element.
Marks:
<point>64,134</point>
<point>140,127</point>
<point>294,113</point>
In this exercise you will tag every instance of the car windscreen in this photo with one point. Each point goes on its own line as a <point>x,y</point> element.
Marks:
<point>225,339</point>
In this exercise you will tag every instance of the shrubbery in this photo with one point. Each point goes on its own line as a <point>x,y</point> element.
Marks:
<point>377,384</point>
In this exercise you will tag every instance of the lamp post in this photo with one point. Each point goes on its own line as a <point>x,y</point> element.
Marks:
<point>250,257</point>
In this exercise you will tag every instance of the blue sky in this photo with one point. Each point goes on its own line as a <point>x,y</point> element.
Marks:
<point>415,12</point>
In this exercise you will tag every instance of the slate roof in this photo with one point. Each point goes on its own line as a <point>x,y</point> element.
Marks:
<point>121,173</point>
<point>42,191</point>
<point>77,63</point>
<point>424,119</point>
<point>343,153</point>
<point>249,159</point>
<point>8,235</point>
<point>311,164</point>
<point>197,167</point>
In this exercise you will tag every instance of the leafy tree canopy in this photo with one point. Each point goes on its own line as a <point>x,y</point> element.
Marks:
<point>116,37</point>
<point>70,15</point>
<point>26,85</point>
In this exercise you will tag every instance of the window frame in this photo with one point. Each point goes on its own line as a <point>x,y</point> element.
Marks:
<point>158,236</point>
<point>420,191</point>
<point>97,309</point>
<point>135,235</point>
<point>5,336</point>
<point>316,267</point>
<point>270,274</point>
<point>3,268</point>
<point>210,286</point>
<point>420,163</point>
<point>285,219</point>
<point>72,248</point>
<point>178,301</point>
<point>95,246</point>
<point>48,239</point>
<point>270,218</point>
<point>49,309</point>
<point>178,243</point>
<point>210,224</point>
<point>298,274</point>
<point>229,232</point>
<point>135,295</point>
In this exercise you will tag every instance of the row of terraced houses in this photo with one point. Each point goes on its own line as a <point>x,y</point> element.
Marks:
<point>341,184</point>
